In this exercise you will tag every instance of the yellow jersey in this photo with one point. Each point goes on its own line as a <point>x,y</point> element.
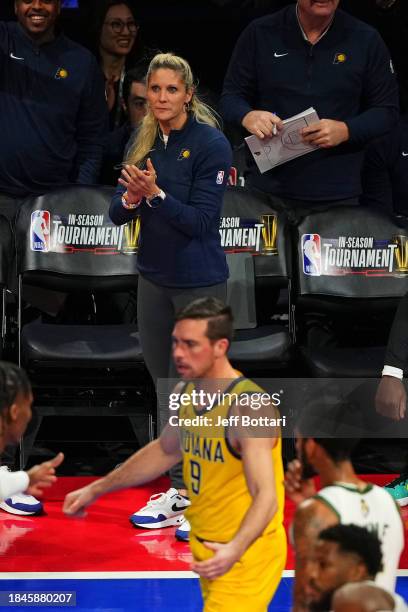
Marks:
<point>213,470</point>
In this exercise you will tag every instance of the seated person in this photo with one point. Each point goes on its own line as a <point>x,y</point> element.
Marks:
<point>15,414</point>
<point>134,104</point>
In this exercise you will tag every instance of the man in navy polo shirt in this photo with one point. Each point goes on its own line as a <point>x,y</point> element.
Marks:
<point>313,54</point>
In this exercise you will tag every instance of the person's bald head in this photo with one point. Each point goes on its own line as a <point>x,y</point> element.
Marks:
<point>362,597</point>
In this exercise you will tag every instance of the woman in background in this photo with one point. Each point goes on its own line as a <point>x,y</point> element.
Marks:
<point>117,44</point>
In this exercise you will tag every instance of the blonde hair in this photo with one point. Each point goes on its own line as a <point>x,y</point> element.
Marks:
<point>149,127</point>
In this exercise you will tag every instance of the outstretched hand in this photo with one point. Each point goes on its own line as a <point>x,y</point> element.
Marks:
<point>76,501</point>
<point>43,475</point>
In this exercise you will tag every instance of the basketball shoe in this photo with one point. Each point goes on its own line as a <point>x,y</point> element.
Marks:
<point>162,510</point>
<point>183,531</point>
<point>398,488</point>
<point>25,505</point>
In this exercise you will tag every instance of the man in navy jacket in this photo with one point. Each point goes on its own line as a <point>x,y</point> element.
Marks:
<point>313,54</point>
<point>52,107</point>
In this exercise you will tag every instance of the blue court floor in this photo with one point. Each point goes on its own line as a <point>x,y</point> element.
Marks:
<point>181,594</point>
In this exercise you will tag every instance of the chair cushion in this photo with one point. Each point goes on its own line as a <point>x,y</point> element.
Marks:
<point>268,343</point>
<point>88,345</point>
<point>333,362</point>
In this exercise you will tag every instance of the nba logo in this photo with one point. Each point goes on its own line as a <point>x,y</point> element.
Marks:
<point>220,177</point>
<point>40,231</point>
<point>311,254</point>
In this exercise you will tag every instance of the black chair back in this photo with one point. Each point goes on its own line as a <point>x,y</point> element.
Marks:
<point>351,252</point>
<point>251,224</point>
<point>66,241</point>
<point>351,271</point>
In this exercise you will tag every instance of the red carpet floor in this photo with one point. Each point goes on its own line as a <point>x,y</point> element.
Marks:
<point>103,540</point>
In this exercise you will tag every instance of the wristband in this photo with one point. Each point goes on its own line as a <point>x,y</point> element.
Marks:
<point>129,205</point>
<point>394,372</point>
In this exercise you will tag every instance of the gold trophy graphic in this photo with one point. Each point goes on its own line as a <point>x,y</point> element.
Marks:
<point>401,253</point>
<point>132,233</point>
<point>269,234</point>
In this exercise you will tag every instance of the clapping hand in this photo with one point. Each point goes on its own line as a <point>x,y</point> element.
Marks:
<point>139,183</point>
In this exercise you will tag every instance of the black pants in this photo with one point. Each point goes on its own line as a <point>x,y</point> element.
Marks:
<point>156,308</point>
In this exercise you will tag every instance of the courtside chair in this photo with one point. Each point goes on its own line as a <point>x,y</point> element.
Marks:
<point>254,236</point>
<point>350,269</point>
<point>66,242</point>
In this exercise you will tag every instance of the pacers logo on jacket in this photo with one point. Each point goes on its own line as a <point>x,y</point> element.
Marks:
<point>61,73</point>
<point>184,154</point>
<point>339,58</point>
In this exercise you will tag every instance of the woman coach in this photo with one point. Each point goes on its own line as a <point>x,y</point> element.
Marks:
<point>174,176</point>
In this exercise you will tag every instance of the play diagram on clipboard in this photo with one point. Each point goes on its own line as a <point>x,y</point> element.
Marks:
<point>286,145</point>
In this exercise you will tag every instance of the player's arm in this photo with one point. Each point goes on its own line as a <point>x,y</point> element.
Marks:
<point>310,518</point>
<point>256,455</point>
<point>391,397</point>
<point>145,465</point>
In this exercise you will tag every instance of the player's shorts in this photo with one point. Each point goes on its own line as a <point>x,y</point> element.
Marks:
<point>251,583</point>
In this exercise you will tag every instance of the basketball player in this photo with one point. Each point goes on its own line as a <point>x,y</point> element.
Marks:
<point>347,559</point>
<point>235,482</point>
<point>15,413</point>
<point>366,596</point>
<point>343,498</point>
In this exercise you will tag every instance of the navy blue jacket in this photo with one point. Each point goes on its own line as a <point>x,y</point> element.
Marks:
<point>53,113</point>
<point>346,76</point>
<point>179,242</point>
<point>385,171</point>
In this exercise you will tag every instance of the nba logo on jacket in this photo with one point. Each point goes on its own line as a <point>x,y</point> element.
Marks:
<point>220,177</point>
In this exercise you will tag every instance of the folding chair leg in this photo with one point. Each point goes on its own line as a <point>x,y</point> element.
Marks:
<point>22,457</point>
<point>142,428</point>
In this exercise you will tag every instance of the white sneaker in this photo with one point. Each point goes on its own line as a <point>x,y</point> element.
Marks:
<point>183,531</point>
<point>26,505</point>
<point>162,510</point>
